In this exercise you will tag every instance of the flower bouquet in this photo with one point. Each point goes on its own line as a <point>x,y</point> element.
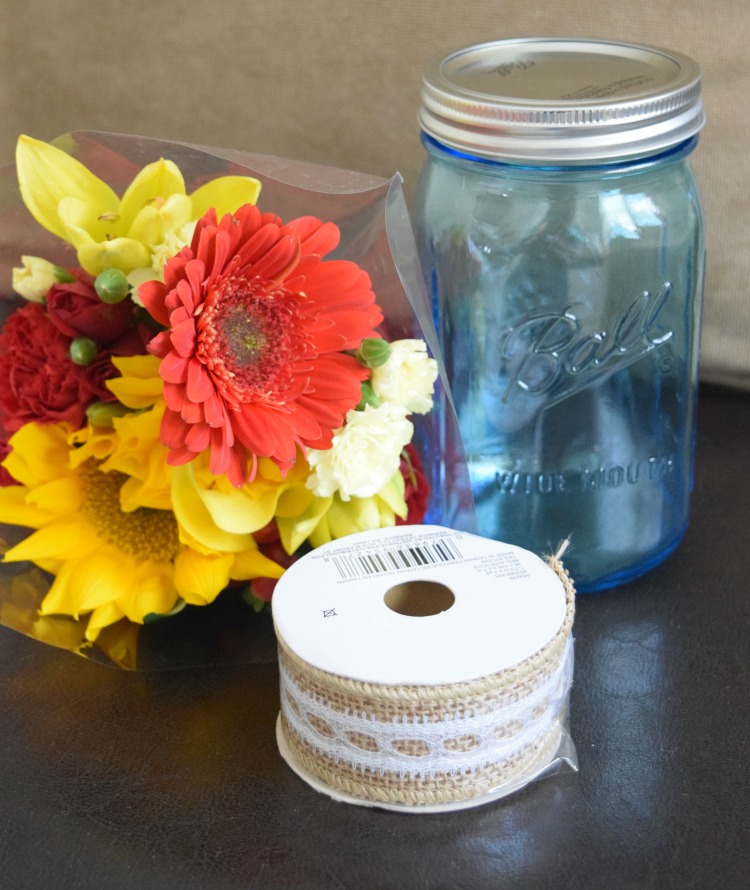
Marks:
<point>195,389</point>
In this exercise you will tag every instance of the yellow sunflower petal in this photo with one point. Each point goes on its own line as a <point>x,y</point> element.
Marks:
<point>83,585</point>
<point>40,453</point>
<point>154,591</point>
<point>47,175</point>
<point>15,508</point>
<point>60,496</point>
<point>139,451</point>
<point>102,577</point>
<point>69,538</point>
<point>155,182</point>
<point>137,493</point>
<point>199,578</point>
<point>101,617</point>
<point>225,195</point>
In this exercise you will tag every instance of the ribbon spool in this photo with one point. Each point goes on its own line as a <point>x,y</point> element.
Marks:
<point>423,669</point>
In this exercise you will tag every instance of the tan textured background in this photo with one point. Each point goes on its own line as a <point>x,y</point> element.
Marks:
<point>338,82</point>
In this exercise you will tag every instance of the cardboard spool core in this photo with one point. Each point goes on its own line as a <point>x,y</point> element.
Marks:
<point>419,599</point>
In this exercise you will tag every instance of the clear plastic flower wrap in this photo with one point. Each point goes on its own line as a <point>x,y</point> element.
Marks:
<point>211,361</point>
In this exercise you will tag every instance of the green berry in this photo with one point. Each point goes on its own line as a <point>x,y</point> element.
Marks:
<point>373,352</point>
<point>82,350</point>
<point>101,413</point>
<point>112,286</point>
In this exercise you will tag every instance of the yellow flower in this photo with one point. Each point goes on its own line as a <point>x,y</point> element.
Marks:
<point>108,232</point>
<point>108,564</point>
<point>219,516</point>
<point>139,384</point>
<point>141,456</point>
<point>346,517</point>
<point>132,445</point>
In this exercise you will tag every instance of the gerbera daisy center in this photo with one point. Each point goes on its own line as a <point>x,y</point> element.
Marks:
<point>248,334</point>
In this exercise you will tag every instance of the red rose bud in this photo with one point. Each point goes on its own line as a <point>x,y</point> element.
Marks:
<point>76,309</point>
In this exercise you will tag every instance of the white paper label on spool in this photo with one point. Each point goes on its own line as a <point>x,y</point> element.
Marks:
<point>499,604</point>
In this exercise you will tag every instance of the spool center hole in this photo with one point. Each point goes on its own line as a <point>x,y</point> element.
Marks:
<point>419,598</point>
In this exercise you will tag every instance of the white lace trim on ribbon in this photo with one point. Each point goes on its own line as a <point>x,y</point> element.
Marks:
<point>491,737</point>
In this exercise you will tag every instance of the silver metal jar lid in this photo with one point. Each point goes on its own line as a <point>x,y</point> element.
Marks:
<point>561,100</point>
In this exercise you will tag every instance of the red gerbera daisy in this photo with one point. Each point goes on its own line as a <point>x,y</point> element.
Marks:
<point>253,356</point>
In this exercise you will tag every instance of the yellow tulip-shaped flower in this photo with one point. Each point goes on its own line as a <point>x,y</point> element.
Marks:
<point>318,520</point>
<point>346,517</point>
<point>219,516</point>
<point>111,232</point>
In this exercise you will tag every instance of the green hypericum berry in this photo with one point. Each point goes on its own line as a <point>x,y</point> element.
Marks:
<point>373,352</point>
<point>101,413</point>
<point>82,350</point>
<point>112,286</point>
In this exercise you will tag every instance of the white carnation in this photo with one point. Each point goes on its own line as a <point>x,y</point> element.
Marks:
<point>408,377</point>
<point>365,454</point>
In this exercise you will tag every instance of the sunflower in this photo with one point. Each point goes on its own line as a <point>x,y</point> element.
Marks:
<point>258,327</point>
<point>108,564</point>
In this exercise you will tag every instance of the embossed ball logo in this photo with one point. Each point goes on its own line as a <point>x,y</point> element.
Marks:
<point>550,354</point>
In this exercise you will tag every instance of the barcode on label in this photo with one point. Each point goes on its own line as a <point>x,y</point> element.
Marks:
<point>359,565</point>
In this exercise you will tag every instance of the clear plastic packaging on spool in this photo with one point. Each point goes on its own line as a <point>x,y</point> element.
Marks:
<point>424,669</point>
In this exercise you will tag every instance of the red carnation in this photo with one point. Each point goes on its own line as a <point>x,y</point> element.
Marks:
<point>38,380</point>
<point>5,449</point>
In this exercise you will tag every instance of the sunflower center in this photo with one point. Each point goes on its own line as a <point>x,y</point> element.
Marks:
<point>249,333</point>
<point>143,533</point>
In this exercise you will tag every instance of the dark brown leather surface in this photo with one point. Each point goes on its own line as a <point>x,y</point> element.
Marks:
<point>170,780</point>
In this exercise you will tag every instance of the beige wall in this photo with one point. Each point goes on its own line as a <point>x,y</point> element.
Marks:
<point>338,82</point>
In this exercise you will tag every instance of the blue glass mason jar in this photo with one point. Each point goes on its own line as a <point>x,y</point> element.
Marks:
<point>560,232</point>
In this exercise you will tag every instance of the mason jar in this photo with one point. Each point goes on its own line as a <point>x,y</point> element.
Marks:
<point>560,232</point>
